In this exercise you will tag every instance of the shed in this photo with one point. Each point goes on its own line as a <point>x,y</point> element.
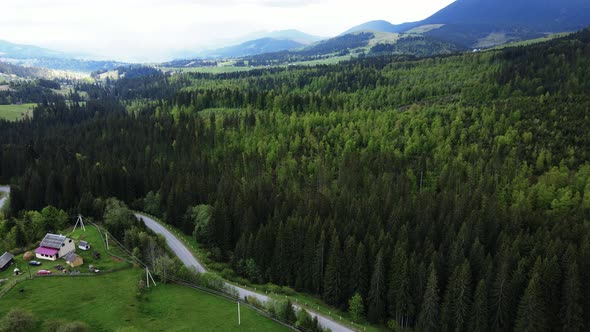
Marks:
<point>6,260</point>
<point>83,245</point>
<point>73,260</point>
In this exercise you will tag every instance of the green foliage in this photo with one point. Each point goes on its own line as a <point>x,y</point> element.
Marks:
<point>17,320</point>
<point>356,308</point>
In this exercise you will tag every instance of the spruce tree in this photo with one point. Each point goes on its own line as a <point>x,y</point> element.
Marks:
<point>333,277</point>
<point>428,319</point>
<point>571,308</point>
<point>376,300</point>
<point>479,309</point>
<point>531,311</point>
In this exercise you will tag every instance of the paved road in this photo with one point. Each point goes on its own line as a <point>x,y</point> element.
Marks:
<point>3,200</point>
<point>190,261</point>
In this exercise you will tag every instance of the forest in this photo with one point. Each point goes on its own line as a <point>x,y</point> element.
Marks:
<point>446,193</point>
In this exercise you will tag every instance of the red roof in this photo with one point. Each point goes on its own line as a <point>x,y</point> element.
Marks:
<point>46,251</point>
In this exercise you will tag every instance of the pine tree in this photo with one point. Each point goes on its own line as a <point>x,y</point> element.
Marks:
<point>319,263</point>
<point>376,300</point>
<point>399,297</point>
<point>360,271</point>
<point>479,309</point>
<point>428,319</point>
<point>531,311</point>
<point>333,277</point>
<point>571,309</point>
<point>457,300</point>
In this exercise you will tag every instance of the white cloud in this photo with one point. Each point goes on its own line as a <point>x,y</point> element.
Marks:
<point>144,30</point>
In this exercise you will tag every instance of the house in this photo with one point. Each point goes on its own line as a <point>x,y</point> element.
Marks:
<point>73,260</point>
<point>83,245</point>
<point>54,246</point>
<point>6,260</point>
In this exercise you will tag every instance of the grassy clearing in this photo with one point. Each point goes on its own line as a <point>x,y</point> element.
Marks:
<point>110,301</point>
<point>532,41</point>
<point>16,112</point>
<point>91,235</point>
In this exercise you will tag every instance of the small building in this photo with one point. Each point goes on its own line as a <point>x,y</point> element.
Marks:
<point>54,246</point>
<point>83,245</point>
<point>6,260</point>
<point>73,260</point>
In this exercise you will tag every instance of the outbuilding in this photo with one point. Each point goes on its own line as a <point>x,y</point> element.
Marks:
<point>73,260</point>
<point>83,245</point>
<point>6,260</point>
<point>54,246</point>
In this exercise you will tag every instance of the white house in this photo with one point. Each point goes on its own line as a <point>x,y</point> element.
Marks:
<point>54,246</point>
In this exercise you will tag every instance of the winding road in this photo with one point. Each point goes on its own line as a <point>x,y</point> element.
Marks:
<point>4,189</point>
<point>190,261</point>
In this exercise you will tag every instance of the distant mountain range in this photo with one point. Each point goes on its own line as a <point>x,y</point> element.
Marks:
<point>253,47</point>
<point>462,25</point>
<point>262,42</point>
<point>486,23</point>
<point>34,56</point>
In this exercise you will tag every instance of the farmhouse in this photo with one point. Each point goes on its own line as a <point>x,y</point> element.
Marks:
<point>6,260</point>
<point>83,245</point>
<point>54,246</point>
<point>73,260</point>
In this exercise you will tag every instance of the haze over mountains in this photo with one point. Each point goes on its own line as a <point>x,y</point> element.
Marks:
<point>462,25</point>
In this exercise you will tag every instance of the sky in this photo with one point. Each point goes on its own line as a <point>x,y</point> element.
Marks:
<point>159,30</point>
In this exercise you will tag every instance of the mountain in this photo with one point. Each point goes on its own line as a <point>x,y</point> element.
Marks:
<point>379,25</point>
<point>295,35</point>
<point>34,56</point>
<point>19,51</point>
<point>486,23</point>
<point>253,47</point>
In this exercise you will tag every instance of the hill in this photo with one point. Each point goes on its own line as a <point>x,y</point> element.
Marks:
<point>20,51</point>
<point>486,23</point>
<point>253,47</point>
<point>34,56</point>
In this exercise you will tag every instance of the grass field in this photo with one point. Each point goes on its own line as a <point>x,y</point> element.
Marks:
<point>109,302</point>
<point>16,112</point>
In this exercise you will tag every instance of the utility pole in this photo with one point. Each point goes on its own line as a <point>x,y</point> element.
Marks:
<point>239,317</point>
<point>106,236</point>
<point>80,222</point>
<point>148,277</point>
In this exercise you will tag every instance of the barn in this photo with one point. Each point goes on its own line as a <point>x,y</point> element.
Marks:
<point>6,260</point>
<point>54,246</point>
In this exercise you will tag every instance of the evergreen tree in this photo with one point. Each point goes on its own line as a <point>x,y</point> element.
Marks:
<point>428,319</point>
<point>376,300</point>
<point>531,311</point>
<point>333,277</point>
<point>571,308</point>
<point>479,310</point>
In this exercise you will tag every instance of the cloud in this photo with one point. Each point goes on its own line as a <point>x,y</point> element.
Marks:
<point>290,3</point>
<point>152,29</point>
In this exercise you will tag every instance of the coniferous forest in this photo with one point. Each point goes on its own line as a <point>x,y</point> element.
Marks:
<point>451,193</point>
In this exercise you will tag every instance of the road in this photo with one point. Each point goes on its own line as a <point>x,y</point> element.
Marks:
<point>190,261</point>
<point>5,189</point>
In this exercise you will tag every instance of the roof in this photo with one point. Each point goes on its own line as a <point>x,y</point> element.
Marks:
<point>70,256</point>
<point>5,259</point>
<point>46,251</point>
<point>83,243</point>
<point>53,241</point>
